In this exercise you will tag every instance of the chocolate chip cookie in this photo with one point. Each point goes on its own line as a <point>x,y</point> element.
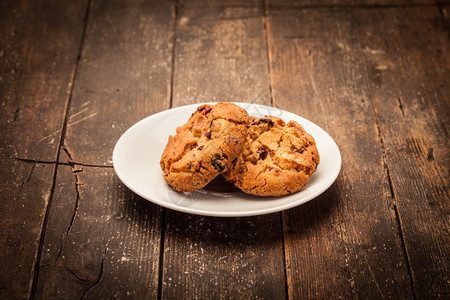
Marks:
<point>205,146</point>
<point>277,159</point>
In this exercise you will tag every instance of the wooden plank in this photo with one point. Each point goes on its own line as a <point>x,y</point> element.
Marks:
<point>220,54</point>
<point>220,49</point>
<point>223,258</point>
<point>124,75</point>
<point>25,192</point>
<point>345,243</point>
<point>102,240</point>
<point>411,96</point>
<point>38,52</point>
<point>38,55</point>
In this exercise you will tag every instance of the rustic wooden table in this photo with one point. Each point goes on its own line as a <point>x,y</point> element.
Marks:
<point>76,74</point>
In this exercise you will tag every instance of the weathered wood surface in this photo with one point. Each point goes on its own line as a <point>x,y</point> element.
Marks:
<point>101,239</point>
<point>374,74</point>
<point>38,53</point>
<point>124,75</point>
<point>411,98</point>
<point>220,54</point>
<point>222,258</point>
<point>220,48</point>
<point>360,75</point>
<point>345,243</point>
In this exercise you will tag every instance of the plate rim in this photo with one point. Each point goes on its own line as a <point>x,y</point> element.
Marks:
<point>256,212</point>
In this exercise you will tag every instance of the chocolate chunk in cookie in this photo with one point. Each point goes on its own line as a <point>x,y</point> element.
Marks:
<point>277,158</point>
<point>205,146</point>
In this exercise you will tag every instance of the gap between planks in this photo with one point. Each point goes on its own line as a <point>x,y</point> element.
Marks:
<point>61,144</point>
<point>266,39</point>
<point>163,210</point>
<point>286,286</point>
<point>174,41</point>
<point>269,70</point>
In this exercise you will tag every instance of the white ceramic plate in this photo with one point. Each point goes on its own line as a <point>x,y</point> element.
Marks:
<point>138,151</point>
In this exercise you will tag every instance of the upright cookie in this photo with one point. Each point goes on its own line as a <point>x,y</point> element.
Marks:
<point>277,158</point>
<point>205,146</point>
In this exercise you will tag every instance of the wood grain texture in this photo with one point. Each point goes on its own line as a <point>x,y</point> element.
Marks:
<point>38,55</point>
<point>38,51</point>
<point>372,73</point>
<point>220,54</point>
<point>222,258</point>
<point>124,75</point>
<point>313,4</point>
<point>410,91</point>
<point>102,241</point>
<point>25,192</point>
<point>220,48</point>
<point>345,243</point>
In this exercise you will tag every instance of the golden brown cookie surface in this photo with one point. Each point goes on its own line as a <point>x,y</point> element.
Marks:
<point>277,158</point>
<point>205,146</point>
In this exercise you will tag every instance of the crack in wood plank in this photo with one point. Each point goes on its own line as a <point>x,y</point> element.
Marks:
<point>16,114</point>
<point>34,161</point>
<point>75,172</point>
<point>400,105</point>
<point>30,160</point>
<point>74,274</point>
<point>98,277</point>
<point>394,202</point>
<point>75,209</point>
<point>28,178</point>
<point>69,154</point>
<point>61,247</point>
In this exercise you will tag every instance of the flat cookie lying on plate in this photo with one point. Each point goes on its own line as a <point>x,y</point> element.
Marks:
<point>205,146</point>
<point>277,158</point>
